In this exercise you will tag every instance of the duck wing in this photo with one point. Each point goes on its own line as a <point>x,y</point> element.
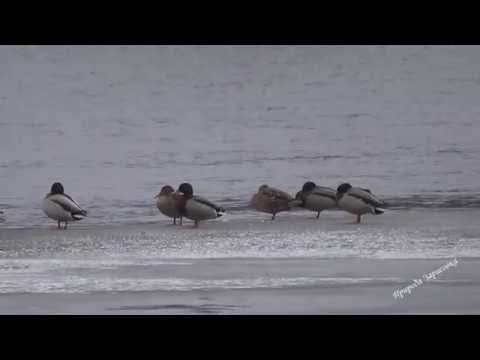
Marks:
<point>282,200</point>
<point>208,203</point>
<point>67,204</point>
<point>326,192</point>
<point>366,196</point>
<point>279,194</point>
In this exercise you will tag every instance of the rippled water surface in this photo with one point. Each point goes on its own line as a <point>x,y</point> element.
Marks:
<point>116,123</point>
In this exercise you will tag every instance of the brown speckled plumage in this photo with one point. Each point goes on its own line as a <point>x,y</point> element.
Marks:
<point>272,201</point>
<point>169,202</point>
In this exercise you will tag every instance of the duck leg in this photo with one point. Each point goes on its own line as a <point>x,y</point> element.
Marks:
<point>273,216</point>
<point>66,225</point>
<point>358,219</point>
<point>174,221</point>
<point>58,225</point>
<point>181,220</point>
<point>196,223</point>
<point>318,214</point>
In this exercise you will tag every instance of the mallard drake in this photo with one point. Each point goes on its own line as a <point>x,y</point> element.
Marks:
<point>272,201</point>
<point>317,198</point>
<point>358,201</point>
<point>196,208</point>
<point>59,206</point>
<point>167,203</point>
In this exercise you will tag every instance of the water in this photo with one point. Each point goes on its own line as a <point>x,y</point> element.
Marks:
<point>116,123</point>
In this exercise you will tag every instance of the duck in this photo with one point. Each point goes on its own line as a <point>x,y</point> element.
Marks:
<point>272,201</point>
<point>358,201</point>
<point>167,203</point>
<point>59,206</point>
<point>317,198</point>
<point>196,208</point>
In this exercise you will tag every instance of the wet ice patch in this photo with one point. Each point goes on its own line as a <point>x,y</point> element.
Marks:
<point>78,284</point>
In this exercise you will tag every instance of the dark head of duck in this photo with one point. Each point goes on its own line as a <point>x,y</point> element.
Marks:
<point>186,189</point>
<point>263,188</point>
<point>57,188</point>
<point>309,186</point>
<point>342,189</point>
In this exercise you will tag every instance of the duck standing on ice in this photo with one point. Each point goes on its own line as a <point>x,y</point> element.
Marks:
<point>272,201</point>
<point>196,208</point>
<point>317,198</point>
<point>168,203</point>
<point>358,201</point>
<point>59,206</point>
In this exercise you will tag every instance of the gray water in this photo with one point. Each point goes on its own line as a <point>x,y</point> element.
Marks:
<point>116,123</point>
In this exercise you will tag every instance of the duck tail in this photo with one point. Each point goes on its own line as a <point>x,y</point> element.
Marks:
<point>379,211</point>
<point>220,211</point>
<point>79,215</point>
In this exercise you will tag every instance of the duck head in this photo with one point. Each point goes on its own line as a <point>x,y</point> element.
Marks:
<point>186,189</point>
<point>263,188</point>
<point>57,188</point>
<point>342,189</point>
<point>308,186</point>
<point>167,189</point>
